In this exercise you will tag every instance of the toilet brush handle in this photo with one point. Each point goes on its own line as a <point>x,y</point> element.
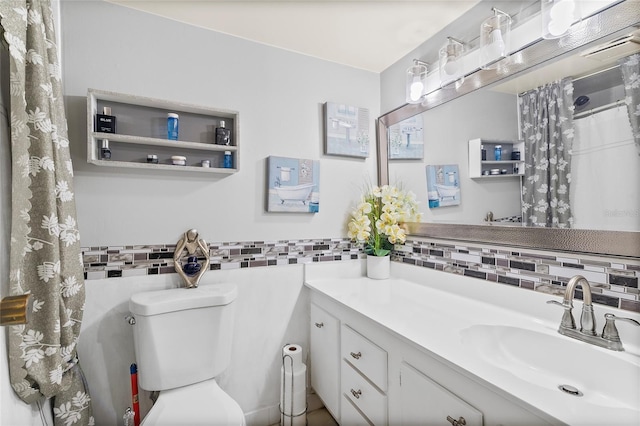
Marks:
<point>134,394</point>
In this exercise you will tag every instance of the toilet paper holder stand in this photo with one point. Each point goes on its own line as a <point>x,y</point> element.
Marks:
<point>288,358</point>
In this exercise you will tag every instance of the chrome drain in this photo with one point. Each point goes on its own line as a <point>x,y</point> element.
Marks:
<point>570,390</point>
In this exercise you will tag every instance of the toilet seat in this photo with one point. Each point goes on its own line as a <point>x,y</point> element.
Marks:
<point>202,403</point>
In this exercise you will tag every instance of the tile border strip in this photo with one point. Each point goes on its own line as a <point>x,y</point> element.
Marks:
<point>614,280</point>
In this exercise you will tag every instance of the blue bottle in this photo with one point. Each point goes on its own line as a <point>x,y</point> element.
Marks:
<point>498,152</point>
<point>227,162</point>
<point>172,126</point>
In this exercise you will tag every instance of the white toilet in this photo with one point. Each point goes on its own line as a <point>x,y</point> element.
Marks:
<point>183,341</point>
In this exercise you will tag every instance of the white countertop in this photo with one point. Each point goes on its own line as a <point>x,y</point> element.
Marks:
<point>432,310</point>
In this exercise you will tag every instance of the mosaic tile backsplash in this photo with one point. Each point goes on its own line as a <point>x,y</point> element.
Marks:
<point>614,281</point>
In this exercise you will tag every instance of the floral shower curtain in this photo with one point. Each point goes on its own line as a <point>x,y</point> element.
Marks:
<point>546,119</point>
<point>630,67</point>
<point>45,258</point>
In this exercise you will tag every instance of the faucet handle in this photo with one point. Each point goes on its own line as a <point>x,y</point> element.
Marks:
<point>610,331</point>
<point>567,318</point>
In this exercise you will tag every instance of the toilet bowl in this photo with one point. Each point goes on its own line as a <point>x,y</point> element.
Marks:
<point>183,339</point>
<point>203,403</point>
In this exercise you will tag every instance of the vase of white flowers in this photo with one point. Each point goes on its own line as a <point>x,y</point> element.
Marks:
<point>376,223</point>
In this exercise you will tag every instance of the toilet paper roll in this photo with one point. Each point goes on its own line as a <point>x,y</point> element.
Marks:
<point>293,395</point>
<point>292,358</point>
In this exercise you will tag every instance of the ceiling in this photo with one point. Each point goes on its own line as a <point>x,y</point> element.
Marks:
<point>370,35</point>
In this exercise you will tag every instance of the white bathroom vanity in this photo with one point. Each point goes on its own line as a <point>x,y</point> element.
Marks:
<point>427,347</point>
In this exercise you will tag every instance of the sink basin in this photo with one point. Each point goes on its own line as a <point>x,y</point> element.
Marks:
<point>549,360</point>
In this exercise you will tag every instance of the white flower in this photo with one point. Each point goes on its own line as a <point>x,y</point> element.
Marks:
<point>376,219</point>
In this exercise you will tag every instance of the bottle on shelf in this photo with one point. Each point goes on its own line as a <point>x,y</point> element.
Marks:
<point>498,152</point>
<point>105,122</point>
<point>172,126</point>
<point>105,151</point>
<point>227,162</point>
<point>223,135</point>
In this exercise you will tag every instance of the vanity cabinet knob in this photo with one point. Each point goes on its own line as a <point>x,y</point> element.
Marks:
<point>460,422</point>
<point>356,355</point>
<point>357,393</point>
<point>319,324</point>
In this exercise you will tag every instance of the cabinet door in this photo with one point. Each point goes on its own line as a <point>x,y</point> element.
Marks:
<point>426,402</point>
<point>325,358</point>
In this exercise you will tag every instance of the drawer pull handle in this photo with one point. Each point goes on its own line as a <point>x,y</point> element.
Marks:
<point>356,355</point>
<point>356,394</point>
<point>460,422</point>
<point>319,324</point>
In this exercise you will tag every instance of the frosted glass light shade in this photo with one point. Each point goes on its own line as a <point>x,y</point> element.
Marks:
<point>557,17</point>
<point>452,63</point>
<point>416,83</point>
<point>494,40</point>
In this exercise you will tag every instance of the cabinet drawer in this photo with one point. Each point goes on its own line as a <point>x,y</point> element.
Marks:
<point>365,355</point>
<point>351,416</point>
<point>369,400</point>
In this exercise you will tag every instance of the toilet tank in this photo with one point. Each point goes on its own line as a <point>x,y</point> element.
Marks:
<point>182,336</point>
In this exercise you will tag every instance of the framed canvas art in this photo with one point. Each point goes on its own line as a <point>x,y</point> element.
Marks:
<point>293,185</point>
<point>443,185</point>
<point>406,139</point>
<point>346,130</point>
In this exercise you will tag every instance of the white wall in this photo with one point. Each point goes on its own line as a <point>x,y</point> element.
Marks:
<point>279,95</point>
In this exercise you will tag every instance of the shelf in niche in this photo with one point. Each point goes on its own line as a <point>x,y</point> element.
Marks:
<point>140,140</point>
<point>140,121</point>
<point>140,165</point>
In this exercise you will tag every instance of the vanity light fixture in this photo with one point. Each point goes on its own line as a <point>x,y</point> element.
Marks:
<point>557,17</point>
<point>416,84</point>
<point>452,63</point>
<point>494,39</point>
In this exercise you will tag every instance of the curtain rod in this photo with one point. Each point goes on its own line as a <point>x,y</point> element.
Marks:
<point>574,79</point>
<point>595,73</point>
<point>592,111</point>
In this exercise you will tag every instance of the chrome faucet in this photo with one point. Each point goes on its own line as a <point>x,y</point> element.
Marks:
<point>587,332</point>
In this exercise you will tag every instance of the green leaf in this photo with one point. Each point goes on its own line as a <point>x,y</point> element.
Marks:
<point>381,252</point>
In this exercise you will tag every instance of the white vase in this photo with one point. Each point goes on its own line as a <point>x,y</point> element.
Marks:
<point>378,267</point>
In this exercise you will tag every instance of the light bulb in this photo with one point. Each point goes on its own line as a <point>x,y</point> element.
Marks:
<point>562,10</point>
<point>451,66</point>
<point>415,92</point>
<point>560,17</point>
<point>496,44</point>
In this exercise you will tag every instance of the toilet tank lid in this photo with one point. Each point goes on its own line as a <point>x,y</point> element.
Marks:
<point>179,299</point>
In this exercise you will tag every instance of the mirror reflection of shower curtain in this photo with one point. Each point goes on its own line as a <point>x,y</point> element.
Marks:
<point>630,68</point>
<point>604,156</point>
<point>547,130</point>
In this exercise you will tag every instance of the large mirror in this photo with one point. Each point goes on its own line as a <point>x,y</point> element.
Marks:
<point>485,108</point>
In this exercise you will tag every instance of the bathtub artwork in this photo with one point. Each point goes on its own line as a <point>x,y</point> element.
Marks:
<point>346,130</point>
<point>293,185</point>
<point>443,185</point>
<point>406,139</point>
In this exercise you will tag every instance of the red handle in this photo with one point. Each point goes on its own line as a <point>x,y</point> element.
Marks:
<point>134,394</point>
